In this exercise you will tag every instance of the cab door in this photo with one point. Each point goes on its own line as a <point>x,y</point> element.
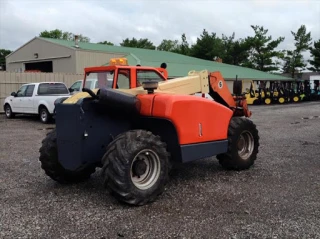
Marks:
<point>16,101</point>
<point>27,101</point>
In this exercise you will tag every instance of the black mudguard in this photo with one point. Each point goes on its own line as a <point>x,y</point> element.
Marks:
<point>84,130</point>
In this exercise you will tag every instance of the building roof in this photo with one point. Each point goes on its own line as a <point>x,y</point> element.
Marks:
<point>177,64</point>
<point>302,76</point>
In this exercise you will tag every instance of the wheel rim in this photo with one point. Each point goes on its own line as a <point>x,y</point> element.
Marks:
<point>267,101</point>
<point>281,100</point>
<point>145,169</point>
<point>8,111</point>
<point>245,145</point>
<point>296,99</point>
<point>43,115</point>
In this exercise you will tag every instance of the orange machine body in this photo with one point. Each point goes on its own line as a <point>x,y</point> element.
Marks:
<point>197,120</point>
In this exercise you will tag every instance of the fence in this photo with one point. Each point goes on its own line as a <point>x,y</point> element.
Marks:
<point>12,81</point>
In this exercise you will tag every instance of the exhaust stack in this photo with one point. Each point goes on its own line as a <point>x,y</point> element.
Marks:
<point>76,41</point>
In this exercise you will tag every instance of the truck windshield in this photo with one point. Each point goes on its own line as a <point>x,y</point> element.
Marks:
<point>102,79</point>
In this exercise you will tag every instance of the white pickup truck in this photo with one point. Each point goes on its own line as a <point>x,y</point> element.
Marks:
<point>90,84</point>
<point>35,98</point>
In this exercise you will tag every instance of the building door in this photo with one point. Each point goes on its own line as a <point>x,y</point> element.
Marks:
<point>44,66</point>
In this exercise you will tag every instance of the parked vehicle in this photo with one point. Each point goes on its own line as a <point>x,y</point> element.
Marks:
<point>90,84</point>
<point>35,98</point>
<point>135,130</point>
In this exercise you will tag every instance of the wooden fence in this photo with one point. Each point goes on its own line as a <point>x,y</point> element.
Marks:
<point>12,81</point>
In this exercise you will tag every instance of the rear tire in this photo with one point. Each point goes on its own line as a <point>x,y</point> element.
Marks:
<point>52,167</point>
<point>8,111</point>
<point>44,115</point>
<point>243,145</point>
<point>135,167</point>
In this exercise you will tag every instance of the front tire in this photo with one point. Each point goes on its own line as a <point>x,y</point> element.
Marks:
<point>8,111</point>
<point>243,145</point>
<point>52,167</point>
<point>135,167</point>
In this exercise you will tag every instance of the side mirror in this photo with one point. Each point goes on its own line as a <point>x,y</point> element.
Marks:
<point>71,90</point>
<point>14,94</point>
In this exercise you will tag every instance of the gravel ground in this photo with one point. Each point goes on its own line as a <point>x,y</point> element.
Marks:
<point>277,198</point>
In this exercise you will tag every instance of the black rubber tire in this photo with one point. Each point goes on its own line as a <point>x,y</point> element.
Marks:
<point>232,160</point>
<point>43,110</point>
<point>256,102</point>
<point>117,167</point>
<point>50,163</point>
<point>11,114</point>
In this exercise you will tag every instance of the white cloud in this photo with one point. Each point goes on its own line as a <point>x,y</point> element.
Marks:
<point>21,20</point>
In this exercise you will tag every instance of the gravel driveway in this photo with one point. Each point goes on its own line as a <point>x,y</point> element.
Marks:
<point>277,198</point>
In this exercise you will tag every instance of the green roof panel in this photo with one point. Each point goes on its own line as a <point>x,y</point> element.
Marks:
<point>177,64</point>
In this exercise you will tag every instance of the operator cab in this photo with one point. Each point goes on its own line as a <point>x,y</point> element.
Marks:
<point>119,75</point>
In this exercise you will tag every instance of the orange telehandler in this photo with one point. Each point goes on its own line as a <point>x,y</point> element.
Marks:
<point>137,128</point>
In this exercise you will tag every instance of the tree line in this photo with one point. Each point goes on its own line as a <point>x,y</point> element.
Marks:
<point>257,52</point>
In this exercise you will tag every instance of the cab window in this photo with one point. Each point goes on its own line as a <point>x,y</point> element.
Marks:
<point>147,75</point>
<point>52,89</point>
<point>99,80</point>
<point>123,79</point>
<point>76,86</point>
<point>22,91</point>
<point>29,91</point>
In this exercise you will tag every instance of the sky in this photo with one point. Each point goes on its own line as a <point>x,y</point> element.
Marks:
<point>100,20</point>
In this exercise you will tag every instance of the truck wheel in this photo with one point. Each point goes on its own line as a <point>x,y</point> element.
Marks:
<point>44,115</point>
<point>50,163</point>
<point>243,140</point>
<point>135,167</point>
<point>8,111</point>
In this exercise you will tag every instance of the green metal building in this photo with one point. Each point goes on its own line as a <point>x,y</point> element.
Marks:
<point>53,55</point>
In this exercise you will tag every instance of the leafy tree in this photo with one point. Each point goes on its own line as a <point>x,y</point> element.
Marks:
<point>262,50</point>
<point>234,52</point>
<point>141,43</point>
<point>184,47</point>
<point>169,45</point>
<point>3,54</point>
<point>293,59</point>
<point>315,54</point>
<point>106,43</point>
<point>59,34</point>
<point>208,46</point>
